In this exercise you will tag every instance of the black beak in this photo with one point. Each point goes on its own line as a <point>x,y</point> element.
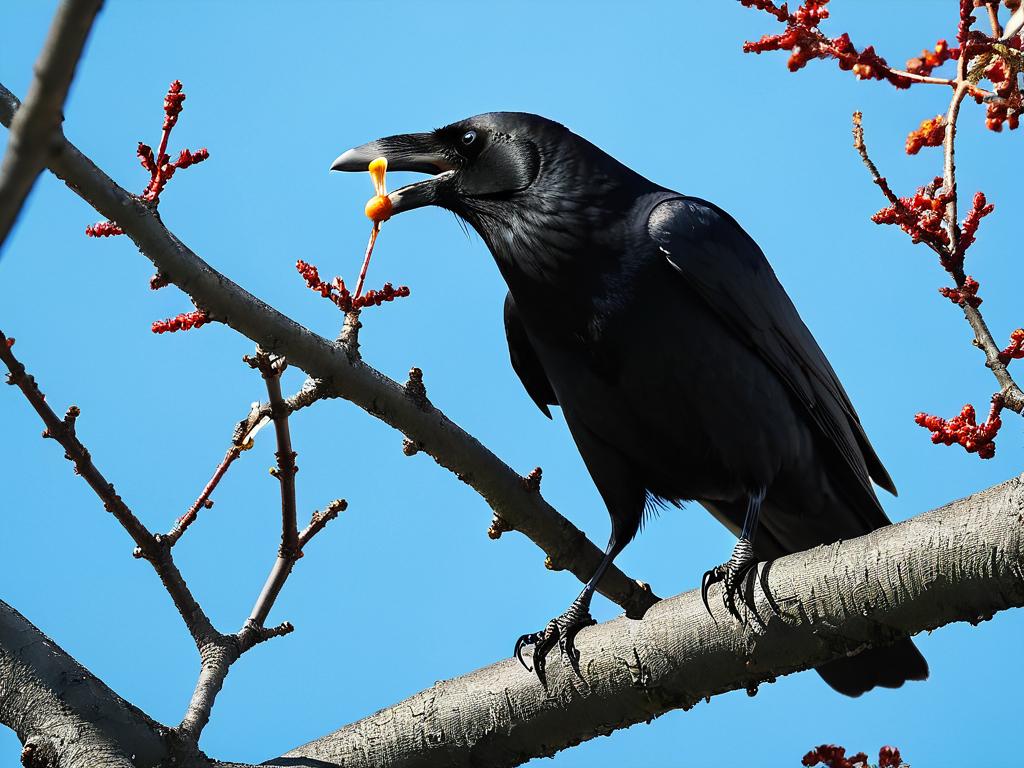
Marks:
<point>418,152</point>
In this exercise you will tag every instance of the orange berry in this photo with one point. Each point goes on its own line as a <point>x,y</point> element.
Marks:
<point>378,208</point>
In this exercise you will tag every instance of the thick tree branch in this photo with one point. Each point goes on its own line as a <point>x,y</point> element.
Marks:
<point>429,429</point>
<point>35,132</point>
<point>963,562</point>
<point>55,704</point>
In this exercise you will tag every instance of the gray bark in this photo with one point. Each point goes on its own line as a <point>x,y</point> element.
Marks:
<point>963,562</point>
<point>56,705</point>
<point>36,131</point>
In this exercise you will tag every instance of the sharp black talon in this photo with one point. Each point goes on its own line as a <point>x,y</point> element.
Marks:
<point>561,631</point>
<point>522,642</point>
<point>713,576</point>
<point>732,575</point>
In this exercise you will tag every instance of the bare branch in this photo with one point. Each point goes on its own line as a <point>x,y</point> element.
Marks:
<point>862,150</point>
<point>320,519</point>
<point>148,546</point>
<point>963,562</point>
<point>203,502</point>
<point>286,467</point>
<point>35,132</point>
<point>217,651</point>
<point>431,431</point>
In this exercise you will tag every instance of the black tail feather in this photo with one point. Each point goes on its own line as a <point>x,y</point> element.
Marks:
<point>887,666</point>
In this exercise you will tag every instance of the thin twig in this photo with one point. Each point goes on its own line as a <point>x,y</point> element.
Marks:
<point>1013,397</point>
<point>1011,392</point>
<point>148,546</point>
<point>924,78</point>
<point>35,132</point>
<point>271,369</point>
<point>319,520</point>
<point>993,17</point>
<point>217,651</point>
<point>183,522</point>
<point>862,148</point>
<point>254,630</point>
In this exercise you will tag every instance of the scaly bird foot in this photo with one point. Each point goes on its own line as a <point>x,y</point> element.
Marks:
<point>732,574</point>
<point>561,630</point>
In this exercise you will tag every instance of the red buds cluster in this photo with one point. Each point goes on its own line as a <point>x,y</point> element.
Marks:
<point>929,134</point>
<point>963,31</point>
<point>376,298</point>
<point>173,104</point>
<point>1006,112</point>
<point>964,429</point>
<point>805,42</point>
<point>835,757</point>
<point>158,164</point>
<point>183,322</point>
<point>889,757</point>
<point>919,216</point>
<point>1015,349</point>
<point>103,229</point>
<point>928,61</point>
<point>980,208</point>
<point>1007,108</point>
<point>927,216</point>
<point>341,296</point>
<point>967,294</point>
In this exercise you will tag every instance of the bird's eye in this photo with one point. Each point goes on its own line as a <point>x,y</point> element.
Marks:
<point>468,138</point>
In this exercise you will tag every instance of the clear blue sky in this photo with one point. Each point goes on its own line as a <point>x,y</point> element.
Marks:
<point>276,93</point>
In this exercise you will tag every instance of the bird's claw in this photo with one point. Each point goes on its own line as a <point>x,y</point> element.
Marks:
<point>561,631</point>
<point>732,574</point>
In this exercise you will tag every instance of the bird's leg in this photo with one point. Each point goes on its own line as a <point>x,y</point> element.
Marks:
<point>734,571</point>
<point>563,629</point>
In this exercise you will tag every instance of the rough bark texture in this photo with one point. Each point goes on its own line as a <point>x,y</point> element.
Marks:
<point>36,131</point>
<point>963,562</point>
<point>433,432</point>
<point>71,718</point>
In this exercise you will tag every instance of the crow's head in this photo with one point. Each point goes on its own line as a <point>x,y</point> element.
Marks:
<point>529,186</point>
<point>478,162</point>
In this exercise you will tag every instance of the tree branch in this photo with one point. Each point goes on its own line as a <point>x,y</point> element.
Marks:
<point>36,130</point>
<point>217,651</point>
<point>59,707</point>
<point>429,429</point>
<point>148,546</point>
<point>963,562</point>
<point>1013,397</point>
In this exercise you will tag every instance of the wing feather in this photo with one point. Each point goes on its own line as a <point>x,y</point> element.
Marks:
<point>525,361</point>
<point>729,271</point>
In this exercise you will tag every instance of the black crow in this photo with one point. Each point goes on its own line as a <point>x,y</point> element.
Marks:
<point>681,366</point>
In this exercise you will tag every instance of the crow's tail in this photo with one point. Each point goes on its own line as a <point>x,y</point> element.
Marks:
<point>887,666</point>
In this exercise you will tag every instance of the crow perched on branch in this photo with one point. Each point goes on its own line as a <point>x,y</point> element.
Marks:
<point>681,366</point>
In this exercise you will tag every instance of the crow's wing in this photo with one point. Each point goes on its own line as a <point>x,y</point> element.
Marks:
<point>728,270</point>
<point>524,360</point>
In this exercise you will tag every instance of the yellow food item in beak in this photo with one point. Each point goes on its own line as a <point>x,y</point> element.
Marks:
<point>378,208</point>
